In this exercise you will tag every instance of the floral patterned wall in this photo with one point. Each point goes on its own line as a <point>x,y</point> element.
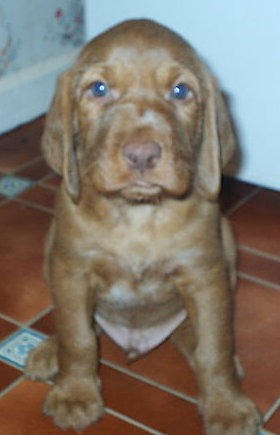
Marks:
<point>33,30</point>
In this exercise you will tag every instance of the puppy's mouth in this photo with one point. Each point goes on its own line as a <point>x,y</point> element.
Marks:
<point>142,190</point>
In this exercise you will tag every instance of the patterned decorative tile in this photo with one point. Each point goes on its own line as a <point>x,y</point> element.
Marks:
<point>11,186</point>
<point>15,349</point>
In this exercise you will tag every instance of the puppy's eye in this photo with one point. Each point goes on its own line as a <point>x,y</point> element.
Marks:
<point>99,89</point>
<point>181,92</point>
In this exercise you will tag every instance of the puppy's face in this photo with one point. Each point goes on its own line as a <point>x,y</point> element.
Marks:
<point>136,117</point>
<point>139,119</point>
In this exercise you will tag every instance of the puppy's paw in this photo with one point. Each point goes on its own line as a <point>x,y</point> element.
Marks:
<point>238,416</point>
<point>42,361</point>
<point>74,404</point>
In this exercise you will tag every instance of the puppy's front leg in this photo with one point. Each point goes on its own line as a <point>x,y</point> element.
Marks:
<point>224,406</point>
<point>75,401</point>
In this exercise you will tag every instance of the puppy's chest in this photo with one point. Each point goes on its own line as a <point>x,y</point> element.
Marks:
<point>139,271</point>
<point>135,273</point>
<point>132,281</point>
<point>137,304</point>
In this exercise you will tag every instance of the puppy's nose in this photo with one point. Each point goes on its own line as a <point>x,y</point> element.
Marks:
<point>142,155</point>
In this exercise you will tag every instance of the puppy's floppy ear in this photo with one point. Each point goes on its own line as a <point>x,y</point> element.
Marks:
<point>218,143</point>
<point>57,141</point>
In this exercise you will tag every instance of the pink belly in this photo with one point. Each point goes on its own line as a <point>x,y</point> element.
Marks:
<point>137,341</point>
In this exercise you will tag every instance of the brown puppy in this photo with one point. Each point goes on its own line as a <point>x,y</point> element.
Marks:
<point>140,133</point>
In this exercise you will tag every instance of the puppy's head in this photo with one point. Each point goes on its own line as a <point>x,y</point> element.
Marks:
<point>139,116</point>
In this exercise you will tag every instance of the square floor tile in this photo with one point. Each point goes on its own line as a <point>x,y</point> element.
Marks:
<point>256,223</point>
<point>233,191</point>
<point>257,324</point>
<point>8,375</point>
<point>46,324</point>
<point>21,414</point>
<point>165,365</point>
<point>273,423</point>
<point>152,406</point>
<point>54,180</point>
<point>11,186</point>
<point>40,195</point>
<point>257,265</point>
<point>36,171</point>
<point>6,328</point>
<point>24,293</point>
<point>15,349</point>
<point>20,146</point>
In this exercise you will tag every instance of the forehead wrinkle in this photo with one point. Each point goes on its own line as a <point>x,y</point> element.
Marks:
<point>143,37</point>
<point>152,67</point>
<point>133,52</point>
<point>155,54</point>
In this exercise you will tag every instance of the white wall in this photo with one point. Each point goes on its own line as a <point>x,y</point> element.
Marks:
<point>241,42</point>
<point>27,94</point>
<point>38,40</point>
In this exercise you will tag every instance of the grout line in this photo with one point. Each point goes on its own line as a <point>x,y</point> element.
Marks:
<point>38,317</point>
<point>110,411</point>
<point>259,281</point>
<point>133,422</point>
<point>47,186</point>
<point>34,205</point>
<point>259,253</point>
<point>149,381</point>
<point>272,410</point>
<point>26,165</point>
<point>11,320</point>
<point>243,200</point>
<point>28,324</point>
<point>45,178</point>
<point>11,386</point>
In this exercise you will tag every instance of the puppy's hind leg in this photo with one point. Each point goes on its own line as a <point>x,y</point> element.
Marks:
<point>42,362</point>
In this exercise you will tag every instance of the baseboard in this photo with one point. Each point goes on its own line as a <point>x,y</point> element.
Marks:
<point>26,94</point>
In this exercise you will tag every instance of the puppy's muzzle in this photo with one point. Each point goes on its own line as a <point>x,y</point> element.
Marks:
<point>142,156</point>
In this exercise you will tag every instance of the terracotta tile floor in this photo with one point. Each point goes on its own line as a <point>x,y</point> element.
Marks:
<point>156,394</point>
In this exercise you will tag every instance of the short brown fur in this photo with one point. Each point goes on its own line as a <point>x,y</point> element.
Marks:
<point>138,242</point>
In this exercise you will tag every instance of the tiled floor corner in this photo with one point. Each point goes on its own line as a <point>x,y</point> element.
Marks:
<point>157,393</point>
